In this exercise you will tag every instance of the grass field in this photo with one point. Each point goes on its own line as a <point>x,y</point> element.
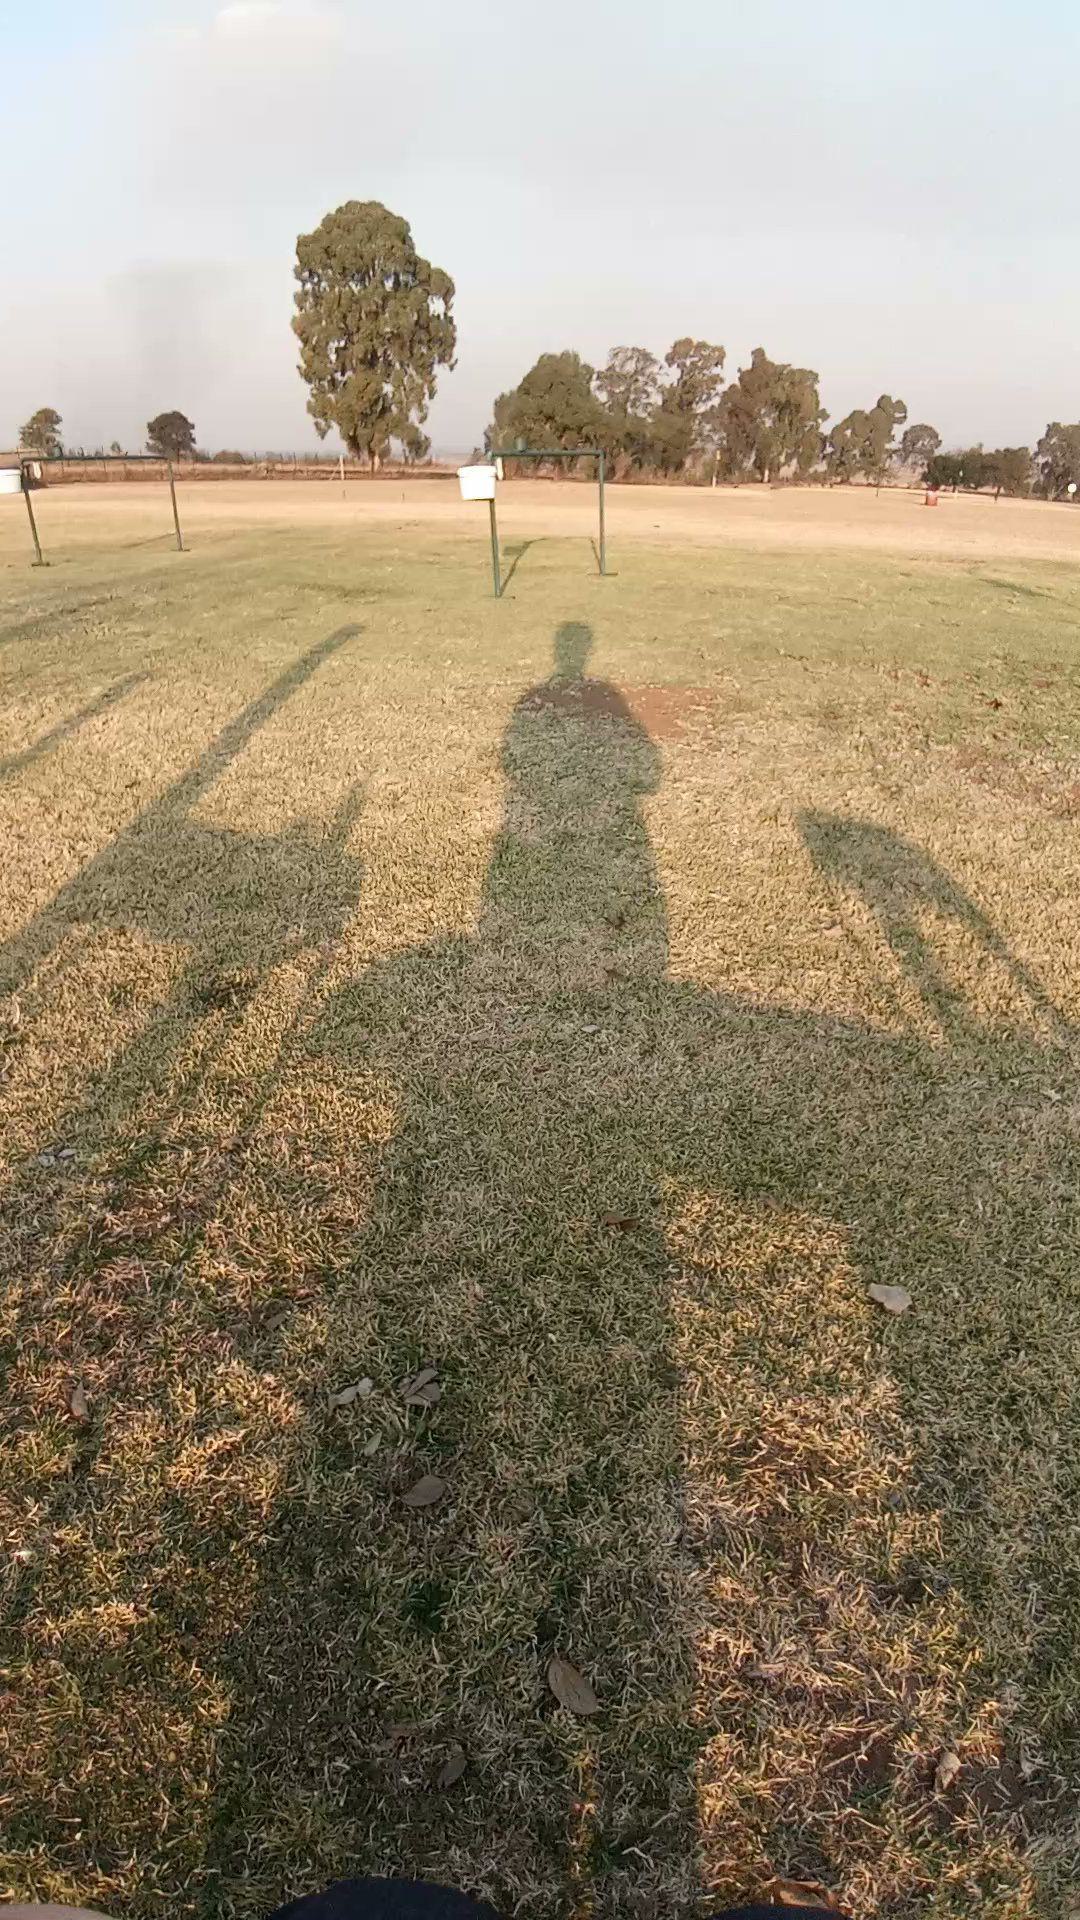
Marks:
<point>589,997</point>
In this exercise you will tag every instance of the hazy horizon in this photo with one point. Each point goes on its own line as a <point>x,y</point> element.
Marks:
<point>887,201</point>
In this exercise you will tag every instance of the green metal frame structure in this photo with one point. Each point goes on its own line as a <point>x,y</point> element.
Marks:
<point>548,453</point>
<point>88,460</point>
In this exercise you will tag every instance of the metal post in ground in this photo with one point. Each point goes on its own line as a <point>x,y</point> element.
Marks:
<point>41,560</point>
<point>495,550</point>
<point>175,510</point>
<point>603,542</point>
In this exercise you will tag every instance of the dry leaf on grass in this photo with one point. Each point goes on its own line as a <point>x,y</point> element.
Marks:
<point>893,1299</point>
<point>623,1221</point>
<point>946,1771</point>
<point>359,1391</point>
<point>425,1396</point>
<point>571,1689</point>
<point>427,1490</point>
<point>455,1765</point>
<point>79,1404</point>
<point>371,1447</point>
<point>801,1893</point>
<point>415,1383</point>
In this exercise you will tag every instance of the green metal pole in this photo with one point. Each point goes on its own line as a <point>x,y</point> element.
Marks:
<point>41,560</point>
<point>495,550</point>
<point>603,542</point>
<point>175,510</point>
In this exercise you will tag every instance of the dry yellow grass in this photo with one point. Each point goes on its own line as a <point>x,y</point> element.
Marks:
<point>973,527</point>
<point>588,996</point>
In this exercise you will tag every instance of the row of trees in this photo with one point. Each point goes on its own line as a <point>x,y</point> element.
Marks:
<point>167,434</point>
<point>375,323</point>
<point>374,320</point>
<point>670,416</point>
<point>1003,469</point>
<point>677,416</point>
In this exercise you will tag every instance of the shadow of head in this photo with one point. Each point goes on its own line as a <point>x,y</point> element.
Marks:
<point>573,645</point>
<point>574,747</point>
<point>572,870</point>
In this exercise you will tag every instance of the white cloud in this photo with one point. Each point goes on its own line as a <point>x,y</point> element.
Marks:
<point>275,20</point>
<point>252,73</point>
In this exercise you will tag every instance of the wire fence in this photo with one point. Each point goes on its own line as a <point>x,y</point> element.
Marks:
<point>99,468</point>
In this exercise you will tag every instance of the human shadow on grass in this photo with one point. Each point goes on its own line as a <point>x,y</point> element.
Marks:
<point>909,897</point>
<point>130,1243</point>
<point>236,906</point>
<point>41,623</point>
<point>631,1222</point>
<point>55,736</point>
<point>173,877</point>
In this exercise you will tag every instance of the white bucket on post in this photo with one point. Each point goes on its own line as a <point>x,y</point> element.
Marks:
<point>477,483</point>
<point>11,480</point>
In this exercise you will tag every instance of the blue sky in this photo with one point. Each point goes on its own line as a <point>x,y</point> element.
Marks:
<point>884,193</point>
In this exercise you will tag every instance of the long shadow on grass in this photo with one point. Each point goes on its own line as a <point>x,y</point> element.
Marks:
<point>235,906</point>
<point>115,1278</point>
<point>515,555</point>
<point>174,878</point>
<point>632,1224</point>
<point>43,623</point>
<point>48,742</point>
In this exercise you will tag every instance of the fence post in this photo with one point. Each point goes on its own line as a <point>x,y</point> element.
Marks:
<point>41,560</point>
<point>603,540</point>
<point>175,510</point>
<point>495,550</point>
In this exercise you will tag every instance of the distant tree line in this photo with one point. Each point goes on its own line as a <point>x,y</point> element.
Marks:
<point>168,434</point>
<point>676,416</point>
<point>976,470</point>
<point>374,321</point>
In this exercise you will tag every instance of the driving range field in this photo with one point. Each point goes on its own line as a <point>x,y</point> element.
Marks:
<point>539,1208</point>
<point>103,515</point>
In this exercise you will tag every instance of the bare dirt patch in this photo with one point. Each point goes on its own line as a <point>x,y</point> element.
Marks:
<point>665,713</point>
<point>1010,773</point>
